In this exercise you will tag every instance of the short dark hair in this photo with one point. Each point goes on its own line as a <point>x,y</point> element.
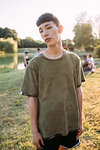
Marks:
<point>38,49</point>
<point>26,51</point>
<point>48,17</point>
<point>85,56</point>
<point>90,55</point>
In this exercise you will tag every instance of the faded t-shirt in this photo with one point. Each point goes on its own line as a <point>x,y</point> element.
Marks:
<point>54,83</point>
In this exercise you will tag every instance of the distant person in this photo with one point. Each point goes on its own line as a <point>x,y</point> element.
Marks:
<point>85,61</point>
<point>85,64</point>
<point>66,47</point>
<point>92,59</point>
<point>53,83</point>
<point>38,52</point>
<point>26,58</point>
<point>90,62</point>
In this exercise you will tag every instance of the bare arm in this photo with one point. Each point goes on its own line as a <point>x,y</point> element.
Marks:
<point>33,108</point>
<point>25,61</point>
<point>79,96</point>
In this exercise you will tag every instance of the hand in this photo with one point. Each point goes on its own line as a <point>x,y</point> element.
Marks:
<point>80,130</point>
<point>38,140</point>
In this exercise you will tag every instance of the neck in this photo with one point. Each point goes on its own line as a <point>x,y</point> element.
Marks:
<point>55,49</point>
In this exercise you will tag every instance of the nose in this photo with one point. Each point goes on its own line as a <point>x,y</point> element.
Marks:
<point>45,33</point>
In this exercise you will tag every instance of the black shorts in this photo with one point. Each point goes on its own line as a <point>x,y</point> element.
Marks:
<point>69,141</point>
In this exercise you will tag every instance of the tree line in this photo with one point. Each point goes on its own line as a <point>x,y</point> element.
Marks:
<point>83,36</point>
<point>28,42</point>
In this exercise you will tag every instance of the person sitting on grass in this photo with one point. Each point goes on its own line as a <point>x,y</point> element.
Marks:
<point>85,64</point>
<point>91,63</point>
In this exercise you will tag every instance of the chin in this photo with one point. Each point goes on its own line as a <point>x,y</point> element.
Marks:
<point>51,44</point>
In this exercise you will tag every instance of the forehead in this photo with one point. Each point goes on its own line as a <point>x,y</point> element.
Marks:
<point>45,24</point>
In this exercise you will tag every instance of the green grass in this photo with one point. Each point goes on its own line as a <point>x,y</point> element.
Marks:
<point>15,130</point>
<point>91,111</point>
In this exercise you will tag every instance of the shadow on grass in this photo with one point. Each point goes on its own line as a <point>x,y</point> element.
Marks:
<point>88,73</point>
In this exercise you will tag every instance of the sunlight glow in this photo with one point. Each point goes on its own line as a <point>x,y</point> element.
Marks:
<point>21,15</point>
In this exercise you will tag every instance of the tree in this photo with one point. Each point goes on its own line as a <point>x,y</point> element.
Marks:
<point>6,46</point>
<point>29,42</point>
<point>96,41</point>
<point>68,43</point>
<point>83,35</point>
<point>97,20</point>
<point>7,33</point>
<point>1,32</point>
<point>98,51</point>
<point>81,18</point>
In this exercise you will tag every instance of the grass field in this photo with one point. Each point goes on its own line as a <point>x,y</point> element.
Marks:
<point>15,130</point>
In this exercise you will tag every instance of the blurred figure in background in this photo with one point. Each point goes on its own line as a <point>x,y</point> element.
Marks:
<point>38,52</point>
<point>85,64</point>
<point>91,63</point>
<point>88,64</point>
<point>66,47</point>
<point>26,58</point>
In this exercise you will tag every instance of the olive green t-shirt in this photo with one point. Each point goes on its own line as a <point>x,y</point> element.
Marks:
<point>54,83</point>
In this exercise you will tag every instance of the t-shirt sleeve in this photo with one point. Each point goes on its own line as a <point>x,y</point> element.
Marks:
<point>30,83</point>
<point>79,74</point>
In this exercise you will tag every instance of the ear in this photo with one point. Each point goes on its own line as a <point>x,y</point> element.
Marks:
<point>60,29</point>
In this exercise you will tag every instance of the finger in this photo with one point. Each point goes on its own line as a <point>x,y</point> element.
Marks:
<point>79,132</point>
<point>39,146</point>
<point>35,144</point>
<point>42,142</point>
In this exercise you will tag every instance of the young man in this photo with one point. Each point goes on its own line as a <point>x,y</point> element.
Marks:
<point>53,83</point>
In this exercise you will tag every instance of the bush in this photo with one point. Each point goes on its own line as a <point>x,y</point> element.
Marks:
<point>1,46</point>
<point>98,51</point>
<point>89,48</point>
<point>71,47</point>
<point>6,47</point>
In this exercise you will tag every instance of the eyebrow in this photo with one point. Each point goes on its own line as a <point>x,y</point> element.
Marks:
<point>44,26</point>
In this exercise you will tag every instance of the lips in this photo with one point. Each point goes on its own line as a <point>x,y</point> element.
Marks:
<point>47,40</point>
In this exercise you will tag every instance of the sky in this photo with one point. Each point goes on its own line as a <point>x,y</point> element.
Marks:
<point>21,15</point>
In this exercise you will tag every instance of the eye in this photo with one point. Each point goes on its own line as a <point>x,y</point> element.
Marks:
<point>41,31</point>
<point>48,27</point>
